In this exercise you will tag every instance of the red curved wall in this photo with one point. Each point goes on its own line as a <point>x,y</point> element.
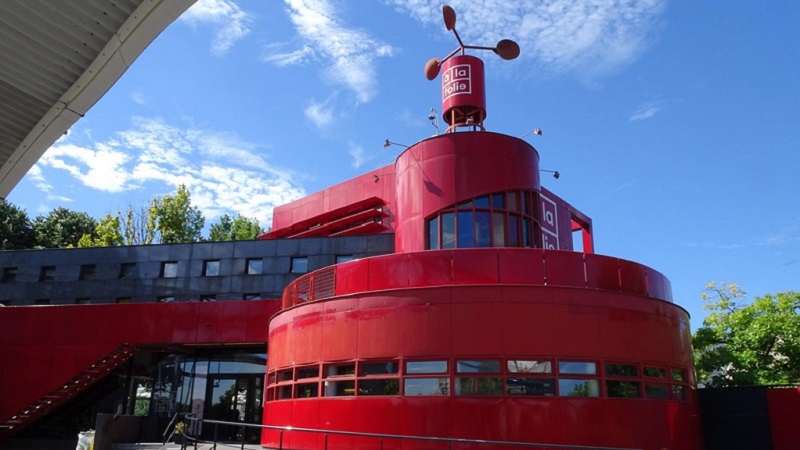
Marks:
<point>443,170</point>
<point>571,318</point>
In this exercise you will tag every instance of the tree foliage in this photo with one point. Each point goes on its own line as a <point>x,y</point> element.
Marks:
<point>177,221</point>
<point>62,228</point>
<point>106,234</point>
<point>139,224</point>
<point>238,229</point>
<point>743,344</point>
<point>16,228</point>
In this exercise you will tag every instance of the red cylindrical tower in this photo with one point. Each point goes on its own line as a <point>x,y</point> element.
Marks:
<point>463,92</point>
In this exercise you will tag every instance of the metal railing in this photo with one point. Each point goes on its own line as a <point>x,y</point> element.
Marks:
<point>380,437</point>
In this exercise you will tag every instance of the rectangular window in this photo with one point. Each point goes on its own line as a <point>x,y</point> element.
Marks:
<point>285,392</point>
<point>344,258</point>
<point>379,387</point>
<point>426,386</point>
<point>211,268</point>
<point>83,301</point>
<point>513,230</point>
<point>306,390</point>
<point>483,234</point>
<point>621,370</point>
<point>300,265</point>
<point>656,391</point>
<point>531,386</point>
<point>481,366</point>
<point>482,202</point>
<point>513,205</point>
<point>466,230</point>
<point>42,301</point>
<point>307,372</point>
<point>378,368</point>
<point>478,386</point>
<point>433,233</point>
<point>654,372</point>
<point>448,230</point>
<point>623,389</point>
<point>340,388</point>
<point>169,269</point>
<point>166,299</point>
<point>88,272</point>
<point>417,367</point>
<point>126,271</point>
<point>678,375</point>
<point>526,233</point>
<point>285,375</point>
<point>255,266</point>
<point>9,274</point>
<point>577,367</point>
<point>48,273</point>
<point>341,370</point>
<point>5,302</point>
<point>208,297</point>
<point>522,366</point>
<point>679,392</point>
<point>123,300</point>
<point>578,388</point>
<point>498,229</point>
<point>499,201</point>
<point>251,296</point>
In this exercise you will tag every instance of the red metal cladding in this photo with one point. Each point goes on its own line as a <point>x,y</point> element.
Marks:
<point>463,90</point>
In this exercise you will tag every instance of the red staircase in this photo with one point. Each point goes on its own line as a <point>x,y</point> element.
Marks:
<point>64,393</point>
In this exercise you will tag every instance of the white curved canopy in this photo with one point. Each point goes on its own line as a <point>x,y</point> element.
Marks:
<point>57,58</point>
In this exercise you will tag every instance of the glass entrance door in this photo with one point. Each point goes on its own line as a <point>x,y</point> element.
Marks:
<point>234,398</point>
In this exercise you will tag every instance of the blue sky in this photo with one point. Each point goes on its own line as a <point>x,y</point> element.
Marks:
<point>674,124</point>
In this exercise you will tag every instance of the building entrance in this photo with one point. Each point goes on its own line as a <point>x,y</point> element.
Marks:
<point>234,398</point>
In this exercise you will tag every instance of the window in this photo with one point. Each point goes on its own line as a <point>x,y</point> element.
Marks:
<point>531,386</point>
<point>123,300</point>
<point>623,389</point>
<point>679,392</point>
<point>166,299</point>
<point>344,258</point>
<point>654,372</point>
<point>251,296</point>
<point>678,375</point>
<point>340,370</point>
<point>578,388</point>
<point>621,370</point>
<point>126,271</point>
<point>340,388</point>
<point>484,366</point>
<point>379,387</point>
<point>48,273</point>
<point>42,301</point>
<point>478,386</point>
<point>522,366</point>
<point>577,367</point>
<point>378,368</point>
<point>254,266</point>
<point>5,302</point>
<point>306,390</point>
<point>307,372</point>
<point>83,301</point>
<point>426,386</point>
<point>656,391</point>
<point>169,269</point>
<point>433,233</point>
<point>299,265</point>
<point>211,268</point>
<point>87,272</point>
<point>418,367</point>
<point>9,274</point>
<point>208,297</point>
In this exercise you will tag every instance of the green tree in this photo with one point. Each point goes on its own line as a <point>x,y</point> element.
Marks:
<point>62,228</point>
<point>16,229</point>
<point>744,344</point>
<point>106,234</point>
<point>238,229</point>
<point>177,221</point>
<point>139,224</point>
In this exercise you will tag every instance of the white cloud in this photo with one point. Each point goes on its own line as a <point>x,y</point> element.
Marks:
<point>348,52</point>
<point>645,112</point>
<point>320,114</point>
<point>224,173</point>
<point>229,20</point>
<point>138,98</point>
<point>583,36</point>
<point>357,153</point>
<point>291,58</point>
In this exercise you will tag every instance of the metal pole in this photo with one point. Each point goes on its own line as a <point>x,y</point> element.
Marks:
<point>326,441</point>
<point>280,441</point>
<point>216,428</point>
<point>242,437</point>
<point>381,443</point>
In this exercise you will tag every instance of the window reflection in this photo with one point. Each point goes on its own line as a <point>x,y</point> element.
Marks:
<point>426,386</point>
<point>578,388</point>
<point>448,230</point>
<point>415,367</point>
<point>466,230</point>
<point>483,366</point>
<point>531,386</point>
<point>478,386</point>
<point>577,367</point>
<point>482,227</point>
<point>521,366</point>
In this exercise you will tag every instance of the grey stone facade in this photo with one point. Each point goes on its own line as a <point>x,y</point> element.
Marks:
<point>202,271</point>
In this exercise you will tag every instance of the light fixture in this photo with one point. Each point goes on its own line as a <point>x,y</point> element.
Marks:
<point>377,178</point>
<point>387,143</point>
<point>433,116</point>
<point>536,131</point>
<point>555,173</point>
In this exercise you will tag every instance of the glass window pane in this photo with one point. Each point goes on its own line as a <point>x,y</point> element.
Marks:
<point>306,390</point>
<point>498,229</point>
<point>254,266</point>
<point>482,366</point>
<point>531,386</point>
<point>679,392</point>
<point>465,205</point>
<point>300,265</point>
<point>126,271</point>
<point>378,368</point>
<point>414,367</point>
<point>513,230</point>
<point>499,201</point>
<point>521,366</point>
<point>478,386</point>
<point>466,230</point>
<point>426,386</point>
<point>433,233</point>
<point>169,269</point>
<point>482,234</point>
<point>623,389</point>
<point>482,202</point>
<point>379,387</point>
<point>513,205</point>
<point>621,370</point>
<point>577,367</point>
<point>285,375</point>
<point>341,370</point>
<point>448,230</point>
<point>340,388</point>
<point>525,202</point>
<point>578,388</point>
<point>211,268</point>
<point>656,391</point>
<point>285,392</point>
<point>344,258</point>
<point>307,372</point>
<point>655,372</point>
<point>526,233</point>
<point>678,375</point>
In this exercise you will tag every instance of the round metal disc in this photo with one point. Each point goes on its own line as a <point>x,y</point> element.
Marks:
<point>432,68</point>
<point>507,49</point>
<point>449,15</point>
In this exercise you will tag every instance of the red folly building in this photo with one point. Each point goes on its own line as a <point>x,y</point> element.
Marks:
<point>485,323</point>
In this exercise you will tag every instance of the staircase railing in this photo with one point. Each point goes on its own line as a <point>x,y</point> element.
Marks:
<point>65,392</point>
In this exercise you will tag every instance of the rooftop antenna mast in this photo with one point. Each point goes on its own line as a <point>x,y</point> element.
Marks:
<point>463,89</point>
